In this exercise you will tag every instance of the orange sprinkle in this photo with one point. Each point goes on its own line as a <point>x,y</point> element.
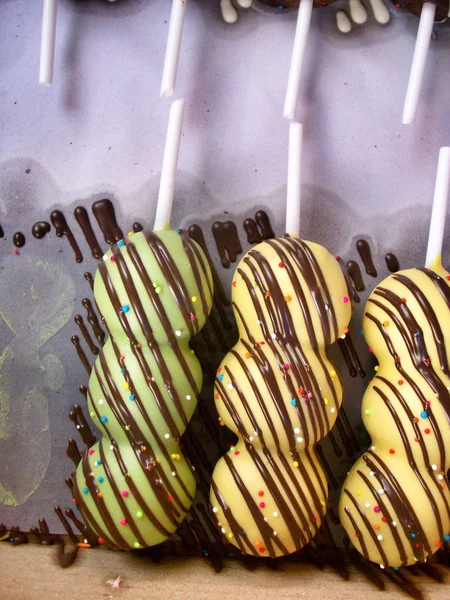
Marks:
<point>345,330</point>
<point>438,544</point>
<point>100,540</point>
<point>216,396</point>
<point>268,294</point>
<point>376,526</point>
<point>83,545</point>
<point>248,355</point>
<point>138,345</point>
<point>287,298</point>
<point>258,544</point>
<point>386,324</point>
<point>100,495</point>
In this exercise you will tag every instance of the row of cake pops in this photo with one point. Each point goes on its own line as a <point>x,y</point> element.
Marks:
<point>276,389</point>
<point>428,12</point>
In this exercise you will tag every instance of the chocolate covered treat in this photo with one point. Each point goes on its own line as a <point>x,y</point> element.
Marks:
<point>280,394</point>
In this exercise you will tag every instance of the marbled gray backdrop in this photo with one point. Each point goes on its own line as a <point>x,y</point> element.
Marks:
<point>99,131</point>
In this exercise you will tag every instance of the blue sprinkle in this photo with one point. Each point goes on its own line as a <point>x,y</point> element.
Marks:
<point>294,402</point>
<point>204,552</point>
<point>100,480</point>
<point>125,308</point>
<point>85,490</point>
<point>121,243</point>
<point>11,540</point>
<point>178,230</point>
<point>132,397</point>
<point>424,414</point>
<point>396,568</point>
<point>446,538</point>
<point>98,462</point>
<point>122,371</point>
<point>413,535</point>
<point>361,332</point>
<point>221,376</point>
<point>75,507</point>
<point>104,419</point>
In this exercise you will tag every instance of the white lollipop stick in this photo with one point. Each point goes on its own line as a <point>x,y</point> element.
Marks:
<point>439,212</point>
<point>169,168</point>
<point>48,42</point>
<point>418,62</point>
<point>294,180</point>
<point>298,55</point>
<point>173,48</point>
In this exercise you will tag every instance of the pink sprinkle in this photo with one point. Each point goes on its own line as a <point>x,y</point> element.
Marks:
<point>316,518</point>
<point>192,316</point>
<point>309,395</point>
<point>337,257</point>
<point>91,451</point>
<point>262,504</point>
<point>112,258</point>
<point>124,493</point>
<point>370,349</point>
<point>286,366</point>
<point>377,509</point>
<point>428,403</point>
<point>123,521</point>
<point>237,453</point>
<point>345,299</point>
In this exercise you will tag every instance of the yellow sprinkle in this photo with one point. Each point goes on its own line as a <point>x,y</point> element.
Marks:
<point>126,385</point>
<point>230,535</point>
<point>174,456</point>
<point>194,298</point>
<point>325,400</point>
<point>130,233</point>
<point>333,373</point>
<point>295,464</point>
<point>376,368</point>
<point>359,492</point>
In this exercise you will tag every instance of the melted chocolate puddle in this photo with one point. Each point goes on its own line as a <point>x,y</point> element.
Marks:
<point>19,239</point>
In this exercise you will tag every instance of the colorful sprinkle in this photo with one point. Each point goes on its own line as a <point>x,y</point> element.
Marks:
<point>377,509</point>
<point>124,493</point>
<point>345,299</point>
<point>262,504</point>
<point>424,414</point>
<point>85,490</point>
<point>260,493</point>
<point>132,397</point>
<point>91,451</point>
<point>294,402</point>
<point>101,480</point>
<point>104,419</point>
<point>123,521</point>
<point>121,243</point>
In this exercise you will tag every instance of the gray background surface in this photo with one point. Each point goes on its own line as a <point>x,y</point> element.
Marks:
<point>99,132</point>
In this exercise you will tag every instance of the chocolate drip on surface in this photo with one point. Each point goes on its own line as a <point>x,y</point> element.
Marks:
<point>73,452</point>
<point>89,279</point>
<point>366,256</point>
<point>81,354</point>
<point>62,229</point>
<point>85,333</point>
<point>227,241</point>
<point>77,417</point>
<point>137,227</point>
<point>43,535</point>
<point>40,229</point>
<point>264,225</point>
<point>355,273</point>
<point>392,262</point>
<point>106,217</point>
<point>93,321</point>
<point>326,467</point>
<point>82,218</point>
<point>2,233</point>
<point>253,235</point>
<point>19,239</point>
<point>351,356</point>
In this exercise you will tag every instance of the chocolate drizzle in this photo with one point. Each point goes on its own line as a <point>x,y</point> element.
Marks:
<point>392,262</point>
<point>85,333</point>
<point>40,229</point>
<point>227,241</point>
<point>366,256</point>
<point>19,239</point>
<point>80,352</point>
<point>137,227</point>
<point>82,218</point>
<point>62,229</point>
<point>106,217</point>
<point>259,229</point>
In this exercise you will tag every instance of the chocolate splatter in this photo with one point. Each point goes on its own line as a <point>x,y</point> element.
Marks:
<point>62,229</point>
<point>82,218</point>
<point>40,229</point>
<point>19,239</point>
<point>137,227</point>
<point>227,241</point>
<point>2,233</point>
<point>366,256</point>
<point>106,217</point>
<point>392,262</point>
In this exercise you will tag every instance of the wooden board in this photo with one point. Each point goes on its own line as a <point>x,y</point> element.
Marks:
<point>31,572</point>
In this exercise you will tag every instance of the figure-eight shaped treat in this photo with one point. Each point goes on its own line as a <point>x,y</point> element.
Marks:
<point>395,503</point>
<point>278,391</point>
<point>154,291</point>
